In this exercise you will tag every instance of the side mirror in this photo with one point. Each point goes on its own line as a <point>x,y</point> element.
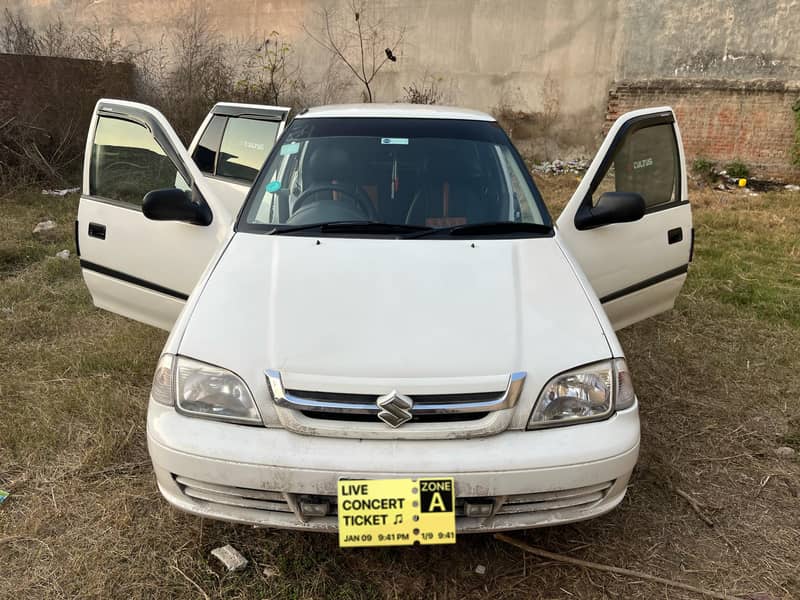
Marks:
<point>611,207</point>
<point>173,204</point>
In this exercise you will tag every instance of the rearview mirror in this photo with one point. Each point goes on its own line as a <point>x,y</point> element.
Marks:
<point>611,207</point>
<point>173,204</point>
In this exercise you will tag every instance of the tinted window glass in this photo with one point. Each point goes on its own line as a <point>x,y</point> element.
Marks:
<point>245,145</point>
<point>205,154</point>
<point>647,163</point>
<point>127,162</point>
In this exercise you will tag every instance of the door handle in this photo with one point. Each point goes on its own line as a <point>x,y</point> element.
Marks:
<point>675,235</point>
<point>96,230</point>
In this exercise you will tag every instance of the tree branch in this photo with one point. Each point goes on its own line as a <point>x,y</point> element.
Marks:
<point>331,45</point>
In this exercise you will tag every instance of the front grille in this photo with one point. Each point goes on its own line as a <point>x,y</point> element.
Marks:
<point>421,400</point>
<point>370,418</point>
<point>247,498</point>
<point>561,499</point>
<point>420,408</point>
<point>271,501</point>
<point>233,496</point>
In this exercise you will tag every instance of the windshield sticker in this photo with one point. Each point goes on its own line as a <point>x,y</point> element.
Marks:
<point>291,148</point>
<point>395,141</point>
<point>273,186</point>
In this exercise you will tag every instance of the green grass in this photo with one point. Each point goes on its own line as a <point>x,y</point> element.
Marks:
<point>748,255</point>
<point>717,380</point>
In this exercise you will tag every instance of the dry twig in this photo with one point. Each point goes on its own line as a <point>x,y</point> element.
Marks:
<point>695,506</point>
<point>609,569</point>
<point>190,580</point>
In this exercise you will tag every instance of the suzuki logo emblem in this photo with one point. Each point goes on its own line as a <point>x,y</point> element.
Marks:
<point>394,409</point>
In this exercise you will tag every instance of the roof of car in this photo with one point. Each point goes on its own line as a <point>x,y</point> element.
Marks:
<point>395,111</point>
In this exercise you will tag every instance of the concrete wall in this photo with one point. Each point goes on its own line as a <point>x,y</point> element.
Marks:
<point>530,58</point>
<point>485,53</point>
<point>737,39</point>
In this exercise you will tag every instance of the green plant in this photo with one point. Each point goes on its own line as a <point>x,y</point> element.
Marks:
<point>426,91</point>
<point>737,169</point>
<point>271,74</point>
<point>705,168</point>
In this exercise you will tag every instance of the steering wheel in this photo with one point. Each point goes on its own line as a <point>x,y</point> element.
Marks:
<point>359,199</point>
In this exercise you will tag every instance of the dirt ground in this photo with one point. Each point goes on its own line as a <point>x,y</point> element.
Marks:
<point>717,379</point>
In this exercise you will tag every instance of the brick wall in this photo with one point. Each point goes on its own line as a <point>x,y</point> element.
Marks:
<point>45,108</point>
<point>751,121</point>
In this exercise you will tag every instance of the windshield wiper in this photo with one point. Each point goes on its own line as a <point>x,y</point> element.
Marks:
<point>490,228</point>
<point>368,227</point>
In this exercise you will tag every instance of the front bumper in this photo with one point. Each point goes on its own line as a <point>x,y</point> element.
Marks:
<point>260,476</point>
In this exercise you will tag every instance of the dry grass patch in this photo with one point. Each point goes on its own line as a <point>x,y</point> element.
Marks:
<point>717,379</point>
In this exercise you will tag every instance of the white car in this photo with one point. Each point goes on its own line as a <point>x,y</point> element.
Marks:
<point>387,298</point>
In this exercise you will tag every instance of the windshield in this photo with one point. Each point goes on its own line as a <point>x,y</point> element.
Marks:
<point>426,174</point>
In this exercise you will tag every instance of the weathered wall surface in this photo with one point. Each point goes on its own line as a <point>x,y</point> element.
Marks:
<point>486,53</point>
<point>44,84</point>
<point>540,60</point>
<point>723,120</point>
<point>732,39</point>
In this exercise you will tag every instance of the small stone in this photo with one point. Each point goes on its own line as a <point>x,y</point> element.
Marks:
<point>785,452</point>
<point>792,187</point>
<point>230,557</point>
<point>270,571</point>
<point>63,255</point>
<point>44,226</point>
<point>480,569</point>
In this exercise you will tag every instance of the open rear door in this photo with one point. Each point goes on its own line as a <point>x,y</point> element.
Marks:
<point>134,266</point>
<point>636,268</point>
<point>232,144</point>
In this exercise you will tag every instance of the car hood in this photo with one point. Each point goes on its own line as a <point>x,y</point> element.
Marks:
<point>339,311</point>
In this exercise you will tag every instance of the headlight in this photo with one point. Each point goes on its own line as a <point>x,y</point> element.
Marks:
<point>585,394</point>
<point>202,390</point>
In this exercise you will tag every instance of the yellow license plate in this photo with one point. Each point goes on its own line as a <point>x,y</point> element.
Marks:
<point>396,512</point>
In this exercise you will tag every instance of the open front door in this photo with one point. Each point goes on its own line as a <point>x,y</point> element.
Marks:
<point>134,266</point>
<point>636,268</point>
<point>232,144</point>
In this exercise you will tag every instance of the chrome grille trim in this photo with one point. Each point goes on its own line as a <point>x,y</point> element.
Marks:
<point>364,404</point>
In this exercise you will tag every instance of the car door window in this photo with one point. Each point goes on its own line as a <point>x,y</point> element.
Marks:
<point>645,162</point>
<point>205,155</point>
<point>127,162</point>
<point>245,146</point>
